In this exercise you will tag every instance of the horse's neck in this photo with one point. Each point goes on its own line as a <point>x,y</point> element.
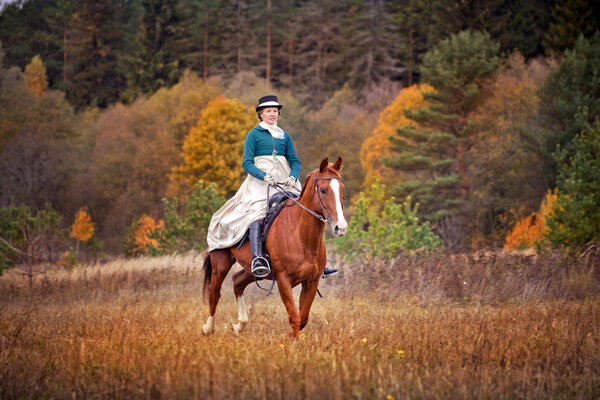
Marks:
<point>310,228</point>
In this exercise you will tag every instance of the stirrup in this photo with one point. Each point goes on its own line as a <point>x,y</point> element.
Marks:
<point>329,271</point>
<point>260,267</point>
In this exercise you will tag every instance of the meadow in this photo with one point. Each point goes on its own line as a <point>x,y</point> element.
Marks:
<point>481,325</point>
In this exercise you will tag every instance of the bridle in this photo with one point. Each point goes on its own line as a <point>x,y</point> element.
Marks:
<point>324,217</point>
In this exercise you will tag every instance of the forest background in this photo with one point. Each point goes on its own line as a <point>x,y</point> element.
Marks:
<point>110,112</point>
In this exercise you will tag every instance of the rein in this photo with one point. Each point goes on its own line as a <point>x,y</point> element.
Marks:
<point>320,217</point>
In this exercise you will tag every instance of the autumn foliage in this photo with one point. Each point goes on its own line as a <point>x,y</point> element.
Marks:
<point>377,146</point>
<point>529,231</point>
<point>83,227</point>
<point>212,151</point>
<point>36,76</point>
<point>139,238</point>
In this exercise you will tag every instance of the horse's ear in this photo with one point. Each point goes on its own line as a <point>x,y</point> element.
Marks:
<point>324,165</point>
<point>338,164</point>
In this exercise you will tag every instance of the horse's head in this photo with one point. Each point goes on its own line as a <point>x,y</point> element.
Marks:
<point>328,195</point>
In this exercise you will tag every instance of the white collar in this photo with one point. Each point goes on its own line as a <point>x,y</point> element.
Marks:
<point>274,130</point>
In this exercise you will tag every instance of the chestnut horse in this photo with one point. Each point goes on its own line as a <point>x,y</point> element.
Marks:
<point>296,247</point>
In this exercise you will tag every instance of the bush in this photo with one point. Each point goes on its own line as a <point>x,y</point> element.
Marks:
<point>27,238</point>
<point>576,214</point>
<point>382,227</point>
<point>184,228</point>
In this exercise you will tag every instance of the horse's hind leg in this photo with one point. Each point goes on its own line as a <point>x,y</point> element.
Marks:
<point>241,279</point>
<point>221,261</point>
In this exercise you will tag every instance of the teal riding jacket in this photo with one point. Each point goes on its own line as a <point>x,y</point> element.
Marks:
<point>259,142</point>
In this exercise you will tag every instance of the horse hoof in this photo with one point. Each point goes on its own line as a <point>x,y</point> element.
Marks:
<point>237,328</point>
<point>207,330</point>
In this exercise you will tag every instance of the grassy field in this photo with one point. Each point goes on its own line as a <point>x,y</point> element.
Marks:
<point>442,326</point>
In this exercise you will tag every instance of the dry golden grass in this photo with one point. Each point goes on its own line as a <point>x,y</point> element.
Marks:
<point>133,329</point>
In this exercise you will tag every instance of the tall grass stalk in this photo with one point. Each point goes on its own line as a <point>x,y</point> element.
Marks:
<point>132,329</point>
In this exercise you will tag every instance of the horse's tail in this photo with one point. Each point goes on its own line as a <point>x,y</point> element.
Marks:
<point>207,275</point>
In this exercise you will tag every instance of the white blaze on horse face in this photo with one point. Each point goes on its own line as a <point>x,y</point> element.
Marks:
<point>341,225</point>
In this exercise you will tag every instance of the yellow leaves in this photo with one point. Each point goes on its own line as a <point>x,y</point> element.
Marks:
<point>213,149</point>
<point>529,231</point>
<point>35,72</point>
<point>83,227</point>
<point>392,118</point>
<point>512,96</point>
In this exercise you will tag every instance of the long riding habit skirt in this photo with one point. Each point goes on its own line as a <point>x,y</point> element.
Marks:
<point>230,223</point>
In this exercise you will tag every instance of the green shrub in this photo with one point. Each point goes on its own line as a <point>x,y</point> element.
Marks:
<point>25,237</point>
<point>575,220</point>
<point>381,227</point>
<point>186,228</point>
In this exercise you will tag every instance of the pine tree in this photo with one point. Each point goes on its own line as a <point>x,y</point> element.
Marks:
<point>163,44</point>
<point>524,27</point>
<point>571,19</point>
<point>207,25</point>
<point>318,63</point>
<point>93,39</point>
<point>570,99</point>
<point>36,27</point>
<point>373,55</point>
<point>377,146</point>
<point>435,153</point>
<point>414,20</point>
<point>576,215</point>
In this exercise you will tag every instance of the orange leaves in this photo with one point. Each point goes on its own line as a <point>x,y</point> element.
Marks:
<point>83,227</point>
<point>142,230</point>
<point>377,146</point>
<point>529,231</point>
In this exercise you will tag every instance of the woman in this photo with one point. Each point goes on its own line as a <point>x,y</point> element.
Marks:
<point>269,158</point>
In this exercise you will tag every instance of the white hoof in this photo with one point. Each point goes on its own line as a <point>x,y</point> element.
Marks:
<point>209,327</point>
<point>237,328</point>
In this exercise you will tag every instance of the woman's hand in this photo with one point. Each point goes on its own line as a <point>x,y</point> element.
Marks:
<point>290,181</point>
<point>269,179</point>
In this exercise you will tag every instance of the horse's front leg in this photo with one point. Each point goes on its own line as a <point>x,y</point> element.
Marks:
<point>287,296</point>
<point>309,290</point>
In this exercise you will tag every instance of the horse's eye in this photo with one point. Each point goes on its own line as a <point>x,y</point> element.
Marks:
<point>323,191</point>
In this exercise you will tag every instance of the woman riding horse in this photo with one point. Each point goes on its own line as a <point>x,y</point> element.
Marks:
<point>269,158</point>
<point>295,244</point>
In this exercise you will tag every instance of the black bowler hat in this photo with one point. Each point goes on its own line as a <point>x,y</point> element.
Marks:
<point>268,101</point>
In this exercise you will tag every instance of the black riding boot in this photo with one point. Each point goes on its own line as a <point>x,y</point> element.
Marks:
<point>260,265</point>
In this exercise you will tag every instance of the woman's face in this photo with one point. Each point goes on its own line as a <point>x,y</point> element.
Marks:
<point>270,115</point>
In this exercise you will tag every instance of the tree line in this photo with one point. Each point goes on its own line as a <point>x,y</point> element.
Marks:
<point>466,150</point>
<point>100,53</point>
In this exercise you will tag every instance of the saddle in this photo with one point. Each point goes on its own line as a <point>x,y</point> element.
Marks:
<point>276,204</point>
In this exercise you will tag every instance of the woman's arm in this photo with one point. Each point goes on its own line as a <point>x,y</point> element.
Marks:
<point>292,157</point>
<point>248,160</point>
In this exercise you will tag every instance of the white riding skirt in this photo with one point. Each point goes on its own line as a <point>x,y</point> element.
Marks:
<point>229,224</point>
